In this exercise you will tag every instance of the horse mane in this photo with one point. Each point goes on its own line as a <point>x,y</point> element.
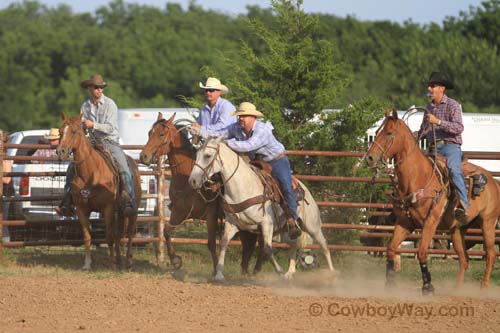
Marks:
<point>186,145</point>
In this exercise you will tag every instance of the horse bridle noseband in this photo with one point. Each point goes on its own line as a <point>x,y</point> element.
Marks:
<point>209,166</point>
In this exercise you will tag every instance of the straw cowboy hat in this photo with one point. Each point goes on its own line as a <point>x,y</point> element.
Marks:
<point>53,134</point>
<point>213,83</point>
<point>95,80</point>
<point>440,79</point>
<point>247,109</point>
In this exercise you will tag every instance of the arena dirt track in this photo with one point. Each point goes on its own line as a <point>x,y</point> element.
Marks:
<point>135,303</point>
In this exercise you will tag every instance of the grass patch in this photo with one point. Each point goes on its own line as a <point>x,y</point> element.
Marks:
<point>197,264</point>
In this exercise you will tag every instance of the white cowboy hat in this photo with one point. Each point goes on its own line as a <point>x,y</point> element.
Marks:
<point>213,83</point>
<point>247,109</point>
<point>53,134</point>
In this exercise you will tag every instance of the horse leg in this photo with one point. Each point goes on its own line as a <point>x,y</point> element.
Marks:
<point>248,241</point>
<point>489,226</point>
<point>175,260</point>
<point>229,231</point>
<point>108,215</point>
<point>398,236</point>
<point>260,257</point>
<point>130,234</point>
<point>117,235</point>
<point>87,239</point>
<point>267,234</point>
<point>292,257</point>
<point>318,236</point>
<point>211,239</point>
<point>459,246</point>
<point>428,232</point>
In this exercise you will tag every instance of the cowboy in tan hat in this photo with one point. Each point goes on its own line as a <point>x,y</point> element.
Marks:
<point>53,137</point>
<point>216,114</point>
<point>100,116</point>
<point>254,137</point>
<point>445,114</point>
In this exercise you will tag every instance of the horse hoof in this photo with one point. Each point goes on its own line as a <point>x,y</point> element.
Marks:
<point>179,275</point>
<point>289,276</point>
<point>427,289</point>
<point>176,262</point>
<point>219,278</point>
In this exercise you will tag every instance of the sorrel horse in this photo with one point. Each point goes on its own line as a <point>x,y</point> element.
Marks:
<point>241,185</point>
<point>425,199</point>
<point>95,188</point>
<point>166,139</point>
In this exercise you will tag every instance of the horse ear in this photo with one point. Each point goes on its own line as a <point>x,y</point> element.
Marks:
<point>160,116</point>
<point>63,116</point>
<point>171,119</point>
<point>387,112</point>
<point>395,113</point>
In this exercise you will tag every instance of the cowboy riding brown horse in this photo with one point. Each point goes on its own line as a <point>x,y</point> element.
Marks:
<point>423,198</point>
<point>95,188</point>
<point>166,139</point>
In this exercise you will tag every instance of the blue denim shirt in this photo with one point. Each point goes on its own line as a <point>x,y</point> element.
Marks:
<point>105,118</point>
<point>261,140</point>
<point>217,118</point>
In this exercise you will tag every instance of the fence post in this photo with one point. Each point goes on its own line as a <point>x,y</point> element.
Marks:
<point>2,154</point>
<point>160,205</point>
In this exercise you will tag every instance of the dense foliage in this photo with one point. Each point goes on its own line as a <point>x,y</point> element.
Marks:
<point>152,55</point>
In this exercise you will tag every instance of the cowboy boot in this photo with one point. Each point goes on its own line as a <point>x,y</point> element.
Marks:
<point>461,214</point>
<point>292,224</point>
<point>128,195</point>
<point>65,208</point>
<point>294,227</point>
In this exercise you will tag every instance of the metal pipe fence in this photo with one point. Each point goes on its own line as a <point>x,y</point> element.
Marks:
<point>159,220</point>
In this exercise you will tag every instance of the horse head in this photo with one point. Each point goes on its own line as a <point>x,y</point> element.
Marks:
<point>71,135</point>
<point>207,162</point>
<point>389,140</point>
<point>161,137</point>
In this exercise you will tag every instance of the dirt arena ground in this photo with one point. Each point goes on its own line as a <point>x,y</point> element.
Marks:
<point>135,303</point>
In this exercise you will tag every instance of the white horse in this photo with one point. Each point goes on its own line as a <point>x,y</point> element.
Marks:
<point>242,183</point>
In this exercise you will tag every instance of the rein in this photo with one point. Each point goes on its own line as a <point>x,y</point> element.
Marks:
<point>408,200</point>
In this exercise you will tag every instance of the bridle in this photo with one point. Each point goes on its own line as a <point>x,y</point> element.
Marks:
<point>383,158</point>
<point>206,178</point>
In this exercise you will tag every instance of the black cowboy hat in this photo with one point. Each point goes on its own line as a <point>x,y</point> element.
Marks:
<point>440,79</point>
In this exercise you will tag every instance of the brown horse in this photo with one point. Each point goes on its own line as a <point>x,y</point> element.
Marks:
<point>166,139</point>
<point>423,198</point>
<point>95,188</point>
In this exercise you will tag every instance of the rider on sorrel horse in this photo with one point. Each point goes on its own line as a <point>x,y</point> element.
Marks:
<point>423,198</point>
<point>166,139</point>
<point>96,188</point>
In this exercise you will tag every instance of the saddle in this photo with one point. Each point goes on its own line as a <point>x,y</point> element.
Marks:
<point>475,181</point>
<point>271,190</point>
<point>107,156</point>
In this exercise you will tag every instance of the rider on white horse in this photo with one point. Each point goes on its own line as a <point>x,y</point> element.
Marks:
<point>254,137</point>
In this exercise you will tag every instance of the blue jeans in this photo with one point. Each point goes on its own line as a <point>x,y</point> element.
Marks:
<point>453,154</point>
<point>283,175</point>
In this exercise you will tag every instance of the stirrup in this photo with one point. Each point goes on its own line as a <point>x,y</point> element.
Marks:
<point>294,230</point>
<point>65,211</point>
<point>461,216</point>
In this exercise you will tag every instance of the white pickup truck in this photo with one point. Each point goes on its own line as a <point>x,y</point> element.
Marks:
<point>34,186</point>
